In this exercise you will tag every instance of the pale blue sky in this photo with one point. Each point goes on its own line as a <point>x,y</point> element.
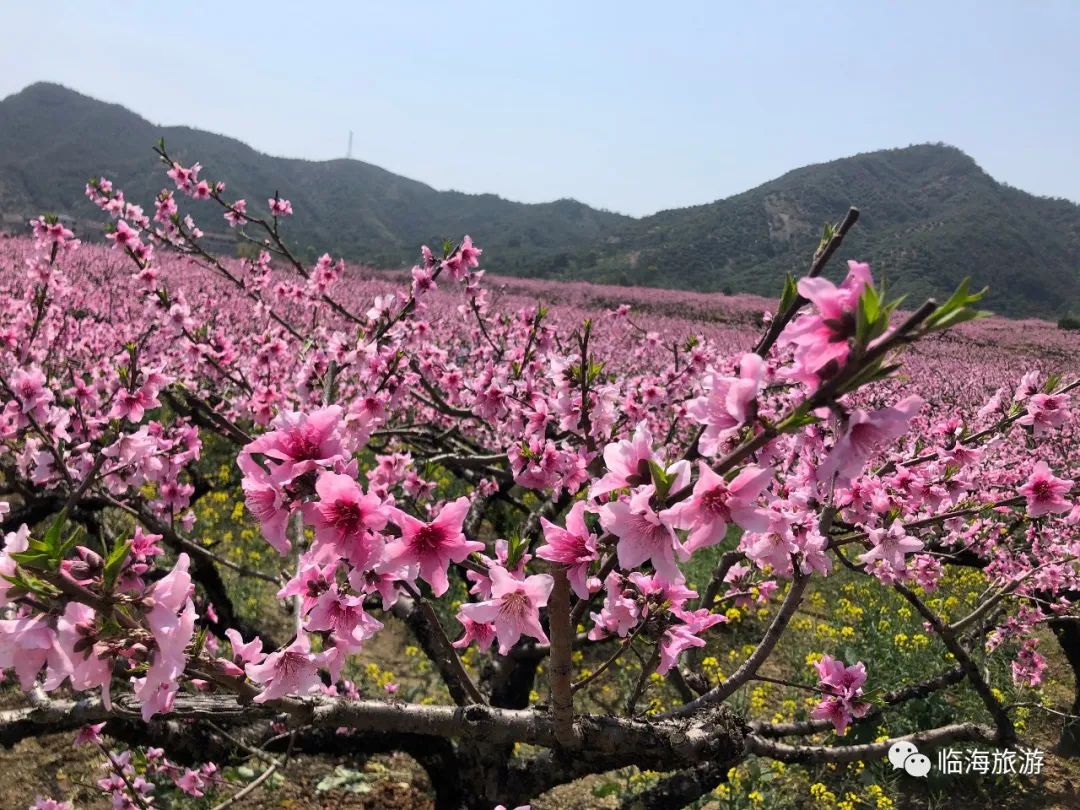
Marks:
<point>625,105</point>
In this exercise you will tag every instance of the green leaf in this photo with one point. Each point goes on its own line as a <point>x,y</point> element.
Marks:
<point>516,546</point>
<point>592,522</point>
<point>957,309</point>
<point>872,373</point>
<point>69,544</point>
<point>25,581</point>
<point>51,540</point>
<point>957,317</point>
<point>114,563</point>
<point>790,294</point>
<point>39,560</point>
<point>797,420</point>
<point>827,233</point>
<point>867,315</point>
<point>661,480</point>
<point>200,642</point>
<point>45,554</point>
<point>594,371</point>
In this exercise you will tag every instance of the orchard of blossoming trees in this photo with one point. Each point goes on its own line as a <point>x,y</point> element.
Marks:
<point>513,486</point>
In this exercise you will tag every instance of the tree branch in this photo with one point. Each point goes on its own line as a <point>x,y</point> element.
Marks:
<point>868,751</point>
<point>562,635</point>
<point>763,650</point>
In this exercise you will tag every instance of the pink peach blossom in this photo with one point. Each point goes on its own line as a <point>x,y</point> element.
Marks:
<point>514,607</point>
<point>432,546</point>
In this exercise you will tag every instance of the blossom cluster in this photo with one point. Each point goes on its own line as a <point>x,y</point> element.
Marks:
<point>383,428</point>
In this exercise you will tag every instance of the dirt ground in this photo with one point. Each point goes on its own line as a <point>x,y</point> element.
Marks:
<point>52,766</point>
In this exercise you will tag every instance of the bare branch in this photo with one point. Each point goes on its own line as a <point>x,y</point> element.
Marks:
<point>763,650</point>
<point>868,751</point>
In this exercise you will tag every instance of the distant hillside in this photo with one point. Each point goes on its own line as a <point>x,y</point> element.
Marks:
<point>930,215</point>
<point>52,139</point>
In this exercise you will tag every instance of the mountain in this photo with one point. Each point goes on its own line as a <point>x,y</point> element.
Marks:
<point>930,215</point>
<point>53,139</point>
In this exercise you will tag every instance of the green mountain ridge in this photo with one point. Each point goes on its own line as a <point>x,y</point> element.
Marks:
<point>929,217</point>
<point>930,214</point>
<point>53,139</point>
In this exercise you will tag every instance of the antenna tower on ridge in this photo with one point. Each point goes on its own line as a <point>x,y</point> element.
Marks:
<point>348,152</point>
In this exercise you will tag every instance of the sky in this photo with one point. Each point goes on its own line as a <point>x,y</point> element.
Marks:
<point>629,106</point>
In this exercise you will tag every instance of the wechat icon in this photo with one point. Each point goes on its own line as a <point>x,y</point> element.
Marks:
<point>904,754</point>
